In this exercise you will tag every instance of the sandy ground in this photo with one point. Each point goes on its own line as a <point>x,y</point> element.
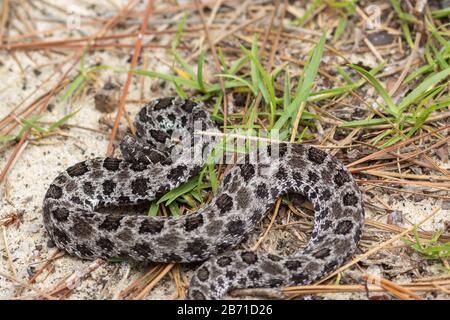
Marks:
<point>25,245</point>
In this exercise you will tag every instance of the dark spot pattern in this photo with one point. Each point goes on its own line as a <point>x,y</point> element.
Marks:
<point>155,156</point>
<point>138,166</point>
<point>124,235</point>
<point>54,192</point>
<point>226,179</point>
<point>247,171</point>
<point>140,186</point>
<point>199,115</point>
<point>111,223</point>
<point>282,149</point>
<point>224,261</point>
<point>111,164</point>
<point>350,199</point>
<point>281,173</point>
<point>162,190</point>
<point>143,116</point>
<point>254,275</point>
<point>299,278</point>
<point>163,103</point>
<point>197,295</point>
<point>325,195</point>
<point>249,257</point>
<point>151,226</point>
<point>105,244</point>
<point>159,135</point>
<point>261,191</point>
<point>60,236</point>
<point>274,257</point>
<point>330,267</point>
<point>81,228</point>
<point>108,187</point>
<point>176,172</point>
<point>60,214</point>
<point>313,177</point>
<point>274,283</point>
<point>85,251</point>
<point>77,170</point>
<point>202,274</point>
<point>256,216</point>
<point>316,156</point>
<point>189,105</point>
<point>193,223</point>
<point>224,202</point>
<point>243,198</point>
<point>88,188</point>
<point>322,253</point>
<point>197,248</point>
<point>143,249</point>
<point>293,265</point>
<point>344,227</point>
<point>357,236</point>
<point>242,281</point>
<point>183,121</point>
<point>235,228</point>
<point>341,178</point>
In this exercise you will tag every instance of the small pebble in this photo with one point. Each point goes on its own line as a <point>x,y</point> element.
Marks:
<point>31,271</point>
<point>32,228</point>
<point>50,244</point>
<point>380,38</point>
<point>105,103</point>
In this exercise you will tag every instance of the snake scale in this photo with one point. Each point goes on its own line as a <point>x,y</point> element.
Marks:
<point>155,162</point>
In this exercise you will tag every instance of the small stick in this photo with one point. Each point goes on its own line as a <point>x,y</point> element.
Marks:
<point>137,51</point>
<point>26,285</point>
<point>213,49</point>
<point>152,284</point>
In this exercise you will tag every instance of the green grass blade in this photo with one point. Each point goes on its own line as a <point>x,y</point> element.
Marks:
<point>238,79</point>
<point>63,120</point>
<point>365,122</point>
<point>340,28</point>
<point>172,195</point>
<point>425,85</point>
<point>7,138</point>
<point>306,85</point>
<point>201,60</point>
<point>287,89</point>
<point>392,108</point>
<point>442,13</point>
<point>180,26</point>
<point>153,211</point>
<point>168,77</point>
<point>77,82</point>
<point>33,124</point>
<point>213,177</point>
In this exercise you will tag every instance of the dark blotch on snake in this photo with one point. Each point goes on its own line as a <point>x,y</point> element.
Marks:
<point>111,164</point>
<point>151,226</point>
<point>54,192</point>
<point>193,223</point>
<point>77,170</point>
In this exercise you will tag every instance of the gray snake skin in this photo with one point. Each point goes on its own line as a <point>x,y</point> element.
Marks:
<point>156,162</point>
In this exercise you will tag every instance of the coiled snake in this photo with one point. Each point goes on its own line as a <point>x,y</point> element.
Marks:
<point>155,162</point>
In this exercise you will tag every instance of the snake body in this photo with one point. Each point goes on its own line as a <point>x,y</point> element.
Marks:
<point>155,162</point>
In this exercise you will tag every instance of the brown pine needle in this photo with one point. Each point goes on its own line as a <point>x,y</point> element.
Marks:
<point>154,282</point>
<point>123,97</point>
